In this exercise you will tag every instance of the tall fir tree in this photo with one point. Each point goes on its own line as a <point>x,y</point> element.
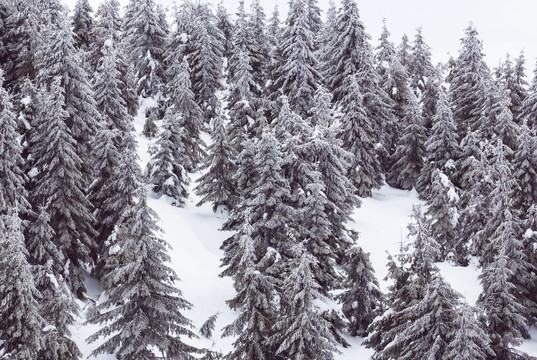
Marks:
<point>145,38</point>
<point>529,105</point>
<point>420,66</point>
<point>216,185</point>
<point>409,154</point>
<point>224,24</point>
<point>467,83</point>
<point>82,24</point>
<point>295,74</point>
<point>60,182</point>
<point>441,148</point>
<point>20,320</point>
<point>150,317</point>
<point>358,136</point>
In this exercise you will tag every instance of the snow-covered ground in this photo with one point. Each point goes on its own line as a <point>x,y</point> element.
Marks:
<point>194,236</point>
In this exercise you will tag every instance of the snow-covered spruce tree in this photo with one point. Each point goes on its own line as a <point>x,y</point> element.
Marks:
<point>467,83</point>
<point>385,52</point>
<point>12,179</point>
<point>404,51</point>
<point>301,332</point>
<point>295,72</point>
<point>108,28</point>
<point>325,151</point>
<point>430,98</point>
<point>409,154</point>
<point>347,50</point>
<point>529,246</point>
<point>242,46</point>
<point>185,112</point>
<point>205,57</point>
<point>166,169</point>
<point>441,148</point>
<point>420,66</point>
<point>315,23</point>
<point>150,316</point>
<point>62,63</point>
<point>274,28</point>
<point>216,185</point>
<point>361,299</point>
<point>525,170</point>
<point>514,78</point>
<point>428,334</point>
<point>21,323</point>
<point>503,313</point>
<point>358,136</point>
<point>529,105</point>
<point>412,273</point>
<point>254,300</point>
<point>108,89</point>
<point>496,119</point>
<point>60,182</point>
<point>261,48</point>
<point>325,35</point>
<point>442,214</point>
<point>82,24</point>
<point>268,205</point>
<point>224,24</point>
<point>396,83</point>
<point>21,42</point>
<point>145,38</point>
<point>468,338</point>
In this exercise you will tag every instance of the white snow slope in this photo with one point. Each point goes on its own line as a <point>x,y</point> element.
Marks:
<point>194,236</point>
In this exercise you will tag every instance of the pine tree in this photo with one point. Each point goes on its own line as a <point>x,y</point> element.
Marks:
<point>166,169</point>
<point>404,51</point>
<point>358,136</point>
<point>347,50</point>
<point>525,170</point>
<point>514,78</point>
<point>145,38</point>
<point>443,214</point>
<point>151,316</point>
<point>82,24</point>
<point>385,52</point>
<point>61,62</point>
<point>428,335</point>
<point>60,182</point>
<point>301,331</point>
<point>216,185</point>
<point>274,28</point>
<point>420,66</point>
<point>430,98</point>
<point>108,88</point>
<point>408,157</point>
<point>529,105</point>
<point>224,24</point>
<point>295,73</point>
<point>20,321</point>
<point>12,178</point>
<point>361,299</point>
<point>205,57</point>
<point>108,29</point>
<point>261,49</point>
<point>469,341</point>
<point>467,83</point>
<point>442,147</point>
<point>254,300</point>
<point>186,113</point>
<point>504,320</point>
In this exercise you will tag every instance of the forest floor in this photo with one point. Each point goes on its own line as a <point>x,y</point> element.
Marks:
<point>194,237</point>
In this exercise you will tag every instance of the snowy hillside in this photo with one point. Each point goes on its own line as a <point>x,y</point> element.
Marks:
<point>194,235</point>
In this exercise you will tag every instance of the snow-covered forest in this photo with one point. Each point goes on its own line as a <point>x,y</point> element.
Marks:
<point>268,162</point>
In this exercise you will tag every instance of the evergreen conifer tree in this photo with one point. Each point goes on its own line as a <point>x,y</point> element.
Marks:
<point>361,299</point>
<point>467,83</point>
<point>420,66</point>
<point>216,185</point>
<point>442,147</point>
<point>358,136</point>
<point>468,340</point>
<point>151,316</point>
<point>145,38</point>
<point>82,24</point>
<point>60,183</point>
<point>409,154</point>
<point>224,24</point>
<point>20,320</point>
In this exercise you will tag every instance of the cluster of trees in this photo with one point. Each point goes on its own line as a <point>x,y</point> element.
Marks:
<point>305,118</point>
